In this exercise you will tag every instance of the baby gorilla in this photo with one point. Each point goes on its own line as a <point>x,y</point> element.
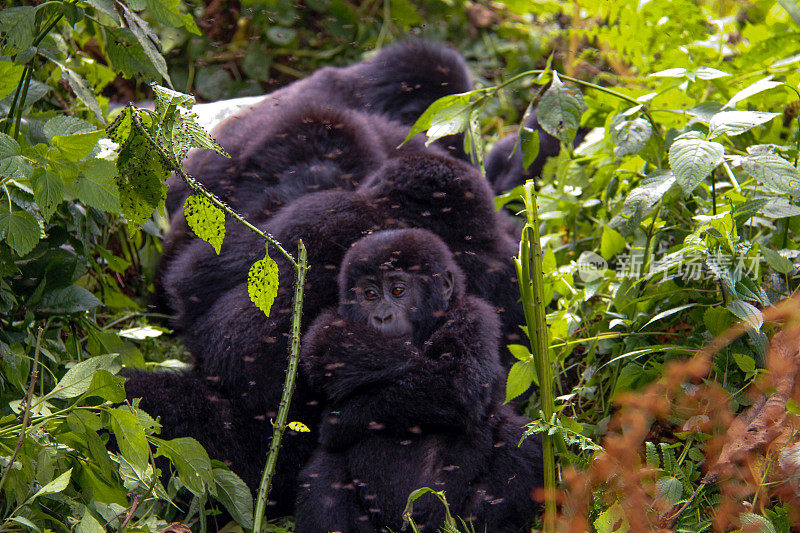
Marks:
<point>409,369</point>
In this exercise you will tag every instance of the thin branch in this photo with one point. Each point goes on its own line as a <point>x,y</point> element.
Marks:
<point>27,401</point>
<point>283,410</point>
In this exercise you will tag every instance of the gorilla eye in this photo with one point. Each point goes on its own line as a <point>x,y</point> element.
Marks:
<point>398,290</point>
<point>370,294</point>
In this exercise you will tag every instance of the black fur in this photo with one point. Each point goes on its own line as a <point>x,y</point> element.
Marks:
<point>244,353</point>
<point>399,417</point>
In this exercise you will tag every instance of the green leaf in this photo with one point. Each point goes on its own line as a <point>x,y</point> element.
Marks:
<point>651,455</point>
<point>560,110</point>
<point>262,283</point>
<point>424,121</point>
<point>12,163</point>
<point>148,40</point>
<point>708,73</point>
<point>141,181</point>
<point>630,136</point>
<point>107,8</point>
<point>281,36</point>
<point>529,144</point>
<point>640,201</point>
<point>107,386</point>
<point>761,85</point>
<point>753,523</point>
<point>692,158</point>
<point>130,437</point>
<point>54,487</point>
<point>48,190</point>
<point>746,312</point>
<point>97,187</point>
<point>733,123</point>
<point>17,28</point>
<point>232,492</point>
<point>745,363</point>
<point>89,524</point>
<point>773,171</point>
<point>10,74</point>
<point>667,313</point>
<point>717,320</point>
<point>19,229</point>
<point>78,379</point>
<point>166,99</point>
<point>521,376</point>
<point>206,220</point>
<point>449,121</point>
<point>777,261</point>
<point>669,489</point>
<point>191,461</point>
<point>68,300</point>
<point>520,352</point>
<point>612,520</point>
<point>75,138</point>
<point>82,90</point>
<point>611,243</point>
<point>127,56</point>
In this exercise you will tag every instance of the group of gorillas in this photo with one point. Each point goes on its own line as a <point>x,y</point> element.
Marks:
<point>409,302</point>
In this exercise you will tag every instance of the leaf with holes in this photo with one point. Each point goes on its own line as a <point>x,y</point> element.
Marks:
<point>140,180</point>
<point>206,220</point>
<point>560,110</point>
<point>692,158</point>
<point>19,229</point>
<point>262,283</point>
<point>773,171</point>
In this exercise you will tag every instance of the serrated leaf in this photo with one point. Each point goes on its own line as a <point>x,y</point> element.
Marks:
<point>641,201</point>
<point>262,283</point>
<point>127,56</point>
<point>753,523</point>
<point>424,121</point>
<point>773,171</point>
<point>779,208</point>
<point>717,320</point>
<point>166,98</point>
<point>746,312</point>
<point>10,74</point>
<point>630,136</point>
<point>54,487</point>
<point>777,261</point>
<point>48,190</point>
<point>148,40</point>
<point>761,85</point>
<point>521,376</point>
<point>692,158</point>
<point>17,28</point>
<point>737,122</point>
<point>206,220</point>
<point>191,461</point>
<point>81,89</point>
<point>669,489</point>
<point>98,188</point>
<point>130,437</point>
<point>560,110</point>
<point>12,163</point>
<point>519,351</point>
<point>141,179</point>
<point>232,492</point>
<point>19,229</point>
<point>68,300</point>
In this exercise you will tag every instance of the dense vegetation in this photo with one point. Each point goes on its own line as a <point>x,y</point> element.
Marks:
<point>674,220</point>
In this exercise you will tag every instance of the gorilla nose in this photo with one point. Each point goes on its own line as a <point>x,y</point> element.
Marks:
<point>383,320</point>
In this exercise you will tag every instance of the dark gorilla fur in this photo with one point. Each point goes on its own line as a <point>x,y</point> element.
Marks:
<point>400,416</point>
<point>503,163</point>
<point>242,353</point>
<point>323,128</point>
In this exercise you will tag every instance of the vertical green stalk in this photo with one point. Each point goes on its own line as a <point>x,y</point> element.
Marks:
<point>531,284</point>
<point>288,387</point>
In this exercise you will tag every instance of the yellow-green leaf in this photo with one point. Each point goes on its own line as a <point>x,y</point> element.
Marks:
<point>206,220</point>
<point>262,283</point>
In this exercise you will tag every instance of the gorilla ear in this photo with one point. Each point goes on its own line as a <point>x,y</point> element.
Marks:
<point>448,285</point>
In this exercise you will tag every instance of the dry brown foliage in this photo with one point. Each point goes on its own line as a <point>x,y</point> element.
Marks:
<point>754,456</point>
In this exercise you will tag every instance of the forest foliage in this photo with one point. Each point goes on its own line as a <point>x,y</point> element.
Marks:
<point>674,220</point>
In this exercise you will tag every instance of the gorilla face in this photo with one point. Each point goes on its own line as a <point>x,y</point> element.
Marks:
<point>392,301</point>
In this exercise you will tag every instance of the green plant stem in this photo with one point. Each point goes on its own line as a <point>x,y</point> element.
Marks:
<point>27,400</point>
<point>531,281</point>
<point>12,110</point>
<point>286,397</point>
<point>199,188</point>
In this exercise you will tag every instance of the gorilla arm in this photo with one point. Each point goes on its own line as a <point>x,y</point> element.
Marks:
<point>375,383</point>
